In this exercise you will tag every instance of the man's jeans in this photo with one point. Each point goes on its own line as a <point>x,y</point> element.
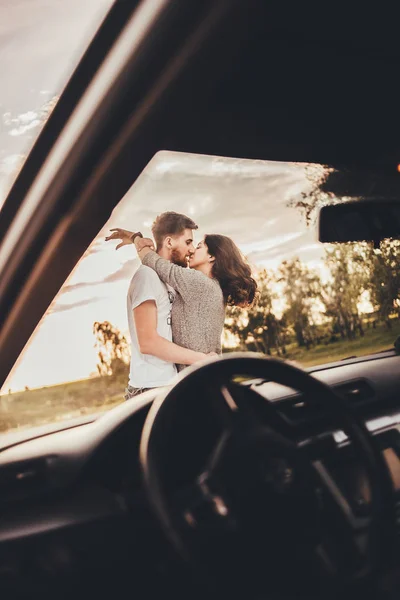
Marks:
<point>131,392</point>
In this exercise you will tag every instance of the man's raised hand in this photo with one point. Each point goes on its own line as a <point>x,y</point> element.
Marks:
<point>120,234</point>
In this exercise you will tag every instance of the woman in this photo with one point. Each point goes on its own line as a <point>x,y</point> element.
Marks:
<point>218,276</point>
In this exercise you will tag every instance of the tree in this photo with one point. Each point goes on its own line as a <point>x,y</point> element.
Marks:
<point>301,290</point>
<point>328,185</point>
<point>257,326</point>
<point>112,349</point>
<point>316,196</point>
<point>384,281</point>
<point>349,277</point>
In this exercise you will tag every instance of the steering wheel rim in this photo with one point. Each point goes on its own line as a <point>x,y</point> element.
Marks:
<point>254,365</point>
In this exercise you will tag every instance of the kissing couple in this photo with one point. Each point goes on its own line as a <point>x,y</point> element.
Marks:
<point>177,298</point>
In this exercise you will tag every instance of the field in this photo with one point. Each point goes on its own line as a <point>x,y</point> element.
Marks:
<point>59,402</point>
<point>62,402</point>
<point>375,340</point>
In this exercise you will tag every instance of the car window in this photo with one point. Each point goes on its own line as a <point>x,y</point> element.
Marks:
<point>41,43</point>
<point>316,303</point>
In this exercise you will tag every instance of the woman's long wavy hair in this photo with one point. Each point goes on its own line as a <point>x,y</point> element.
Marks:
<point>231,270</point>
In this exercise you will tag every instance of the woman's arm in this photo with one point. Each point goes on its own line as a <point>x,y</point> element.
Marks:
<point>181,279</point>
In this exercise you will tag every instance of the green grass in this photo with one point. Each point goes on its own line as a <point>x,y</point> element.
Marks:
<point>59,402</point>
<point>374,340</point>
<point>70,400</point>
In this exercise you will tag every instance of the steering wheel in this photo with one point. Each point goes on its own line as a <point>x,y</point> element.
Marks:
<point>262,508</point>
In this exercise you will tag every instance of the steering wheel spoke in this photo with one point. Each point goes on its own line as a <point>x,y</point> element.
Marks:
<point>346,533</point>
<point>338,502</point>
<point>254,409</point>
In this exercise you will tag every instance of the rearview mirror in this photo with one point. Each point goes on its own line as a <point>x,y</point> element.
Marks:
<point>362,220</point>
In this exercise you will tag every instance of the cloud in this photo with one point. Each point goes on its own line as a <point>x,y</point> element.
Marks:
<point>78,286</point>
<point>281,247</point>
<point>58,307</point>
<point>29,120</point>
<point>95,246</point>
<point>21,123</point>
<point>10,162</point>
<point>276,243</point>
<point>22,129</point>
<point>124,272</point>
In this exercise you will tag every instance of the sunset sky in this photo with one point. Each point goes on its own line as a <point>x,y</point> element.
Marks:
<point>246,200</point>
<point>41,42</point>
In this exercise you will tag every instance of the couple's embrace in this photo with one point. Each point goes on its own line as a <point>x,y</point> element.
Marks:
<point>176,314</point>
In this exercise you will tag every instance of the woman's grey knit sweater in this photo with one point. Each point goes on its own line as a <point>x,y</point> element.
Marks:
<point>198,311</point>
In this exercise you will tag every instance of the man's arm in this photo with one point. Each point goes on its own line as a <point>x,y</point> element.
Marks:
<point>150,342</point>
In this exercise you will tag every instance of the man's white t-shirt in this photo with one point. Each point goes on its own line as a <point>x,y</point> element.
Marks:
<point>148,371</point>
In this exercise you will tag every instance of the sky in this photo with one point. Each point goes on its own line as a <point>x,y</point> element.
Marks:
<point>247,200</point>
<point>41,42</point>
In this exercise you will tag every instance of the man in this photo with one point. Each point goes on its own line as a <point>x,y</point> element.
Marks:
<point>153,354</point>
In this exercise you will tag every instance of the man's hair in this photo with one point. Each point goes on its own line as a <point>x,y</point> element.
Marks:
<point>170,224</point>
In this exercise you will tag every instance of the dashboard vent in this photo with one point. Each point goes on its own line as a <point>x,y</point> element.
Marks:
<point>357,392</point>
<point>23,478</point>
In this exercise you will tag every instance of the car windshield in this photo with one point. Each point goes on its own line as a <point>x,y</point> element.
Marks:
<point>41,43</point>
<point>316,303</point>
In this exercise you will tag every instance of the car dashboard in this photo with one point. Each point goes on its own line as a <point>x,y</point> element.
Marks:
<point>72,501</point>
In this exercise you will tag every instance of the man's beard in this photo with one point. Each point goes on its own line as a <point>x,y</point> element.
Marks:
<point>177,259</point>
